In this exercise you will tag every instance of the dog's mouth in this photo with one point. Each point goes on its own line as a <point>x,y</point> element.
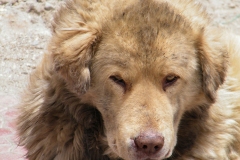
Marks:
<point>150,148</point>
<point>158,156</point>
<point>143,144</point>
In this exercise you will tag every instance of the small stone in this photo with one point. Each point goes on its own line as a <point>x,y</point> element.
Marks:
<point>35,8</point>
<point>34,20</point>
<point>232,5</point>
<point>24,73</point>
<point>2,2</point>
<point>48,6</point>
<point>9,2</point>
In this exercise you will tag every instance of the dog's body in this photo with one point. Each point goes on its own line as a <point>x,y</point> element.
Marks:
<point>134,80</point>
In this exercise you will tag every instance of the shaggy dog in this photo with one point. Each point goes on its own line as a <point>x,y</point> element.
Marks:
<point>134,80</point>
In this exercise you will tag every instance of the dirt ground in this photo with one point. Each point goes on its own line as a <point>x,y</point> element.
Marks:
<point>24,34</point>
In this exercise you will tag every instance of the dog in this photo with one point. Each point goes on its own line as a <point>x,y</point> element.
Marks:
<point>134,80</point>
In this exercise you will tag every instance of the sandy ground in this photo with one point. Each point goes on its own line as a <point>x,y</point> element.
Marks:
<point>24,34</point>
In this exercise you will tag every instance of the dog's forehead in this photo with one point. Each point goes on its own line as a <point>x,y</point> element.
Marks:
<point>165,56</point>
<point>146,36</point>
<point>145,20</point>
<point>147,30</point>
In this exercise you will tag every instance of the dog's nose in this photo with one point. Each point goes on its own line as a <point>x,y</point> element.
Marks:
<point>149,143</point>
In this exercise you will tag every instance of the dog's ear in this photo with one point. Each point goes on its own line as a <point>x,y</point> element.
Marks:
<point>72,46</point>
<point>213,61</point>
<point>72,60</point>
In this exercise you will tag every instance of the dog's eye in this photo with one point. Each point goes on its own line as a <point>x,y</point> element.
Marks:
<point>118,80</point>
<point>169,80</point>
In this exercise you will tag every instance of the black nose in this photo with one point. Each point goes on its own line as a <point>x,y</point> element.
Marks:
<point>149,143</point>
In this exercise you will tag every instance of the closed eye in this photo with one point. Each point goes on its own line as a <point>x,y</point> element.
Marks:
<point>169,80</point>
<point>119,81</point>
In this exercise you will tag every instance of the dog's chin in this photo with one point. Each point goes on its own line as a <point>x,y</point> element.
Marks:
<point>141,156</point>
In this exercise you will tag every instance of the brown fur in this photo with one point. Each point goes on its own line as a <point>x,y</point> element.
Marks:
<point>102,83</point>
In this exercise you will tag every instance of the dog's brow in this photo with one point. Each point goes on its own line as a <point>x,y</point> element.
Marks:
<point>120,63</point>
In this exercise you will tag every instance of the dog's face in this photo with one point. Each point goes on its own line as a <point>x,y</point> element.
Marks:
<point>144,72</point>
<point>142,90</point>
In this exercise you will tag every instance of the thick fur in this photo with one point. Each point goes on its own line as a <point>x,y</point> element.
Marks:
<point>102,83</point>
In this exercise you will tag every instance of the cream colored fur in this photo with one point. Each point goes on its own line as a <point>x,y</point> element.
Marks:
<point>119,71</point>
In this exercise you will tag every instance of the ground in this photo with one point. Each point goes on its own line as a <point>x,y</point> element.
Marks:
<point>24,34</point>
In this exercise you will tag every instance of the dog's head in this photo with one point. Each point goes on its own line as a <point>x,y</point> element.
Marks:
<point>142,67</point>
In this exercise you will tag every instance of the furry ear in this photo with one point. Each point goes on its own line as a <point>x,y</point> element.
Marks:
<point>72,60</point>
<point>213,61</point>
<point>72,46</point>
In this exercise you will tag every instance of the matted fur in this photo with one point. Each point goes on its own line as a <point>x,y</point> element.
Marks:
<point>102,84</point>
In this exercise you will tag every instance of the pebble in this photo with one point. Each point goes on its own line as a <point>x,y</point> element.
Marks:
<point>9,2</point>
<point>24,72</point>
<point>35,8</point>
<point>48,6</point>
<point>232,5</point>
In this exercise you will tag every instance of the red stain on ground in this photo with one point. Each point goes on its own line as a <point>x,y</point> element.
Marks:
<point>9,149</point>
<point>4,131</point>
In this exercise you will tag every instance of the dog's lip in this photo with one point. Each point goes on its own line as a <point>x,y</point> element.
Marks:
<point>149,158</point>
<point>168,154</point>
